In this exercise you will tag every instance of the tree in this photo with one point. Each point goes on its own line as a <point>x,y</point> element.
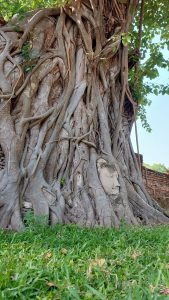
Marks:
<point>66,114</point>
<point>157,167</point>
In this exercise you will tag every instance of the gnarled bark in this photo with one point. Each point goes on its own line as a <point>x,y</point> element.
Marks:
<point>66,114</point>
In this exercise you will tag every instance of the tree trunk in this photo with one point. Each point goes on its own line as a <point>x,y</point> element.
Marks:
<point>66,114</point>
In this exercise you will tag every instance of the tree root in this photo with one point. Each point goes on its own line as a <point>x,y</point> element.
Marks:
<point>64,127</point>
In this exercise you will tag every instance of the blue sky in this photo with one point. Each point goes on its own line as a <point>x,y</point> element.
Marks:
<point>154,146</point>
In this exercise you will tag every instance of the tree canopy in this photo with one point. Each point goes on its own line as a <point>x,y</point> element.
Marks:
<point>158,167</point>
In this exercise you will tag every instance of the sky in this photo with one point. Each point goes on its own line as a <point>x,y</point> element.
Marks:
<point>154,146</point>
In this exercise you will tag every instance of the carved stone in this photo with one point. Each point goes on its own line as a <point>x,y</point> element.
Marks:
<point>108,177</point>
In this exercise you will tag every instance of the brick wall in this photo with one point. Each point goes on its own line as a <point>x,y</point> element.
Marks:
<point>157,184</point>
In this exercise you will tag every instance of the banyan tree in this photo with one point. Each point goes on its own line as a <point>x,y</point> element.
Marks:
<point>66,114</point>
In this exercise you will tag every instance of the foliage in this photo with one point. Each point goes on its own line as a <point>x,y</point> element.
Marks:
<point>126,38</point>
<point>28,56</point>
<point>154,43</point>
<point>26,51</point>
<point>158,167</point>
<point>140,91</point>
<point>62,182</point>
<point>10,7</point>
<point>67,262</point>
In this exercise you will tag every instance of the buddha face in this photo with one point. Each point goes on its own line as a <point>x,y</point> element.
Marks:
<point>108,177</point>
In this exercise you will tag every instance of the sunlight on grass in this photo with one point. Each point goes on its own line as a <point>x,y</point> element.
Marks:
<point>68,262</point>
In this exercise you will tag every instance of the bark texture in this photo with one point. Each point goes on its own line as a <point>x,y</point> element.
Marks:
<point>66,114</point>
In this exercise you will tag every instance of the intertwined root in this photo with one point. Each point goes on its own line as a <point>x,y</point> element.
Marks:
<point>65,120</point>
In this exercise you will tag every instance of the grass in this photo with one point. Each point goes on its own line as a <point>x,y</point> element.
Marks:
<point>71,263</point>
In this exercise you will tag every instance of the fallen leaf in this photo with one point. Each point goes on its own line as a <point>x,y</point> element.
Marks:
<point>164,291</point>
<point>51,284</point>
<point>95,263</point>
<point>64,251</point>
<point>48,255</point>
<point>135,254</point>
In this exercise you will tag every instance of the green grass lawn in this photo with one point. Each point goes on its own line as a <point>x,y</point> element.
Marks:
<point>68,262</point>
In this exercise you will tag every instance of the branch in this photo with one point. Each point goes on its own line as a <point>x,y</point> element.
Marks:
<point>139,36</point>
<point>34,20</point>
